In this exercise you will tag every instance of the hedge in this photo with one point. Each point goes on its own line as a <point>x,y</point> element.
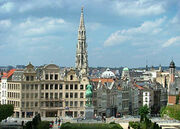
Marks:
<point>69,125</point>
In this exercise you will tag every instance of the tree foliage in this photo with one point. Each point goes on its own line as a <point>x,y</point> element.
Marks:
<point>6,110</point>
<point>143,112</point>
<point>173,111</point>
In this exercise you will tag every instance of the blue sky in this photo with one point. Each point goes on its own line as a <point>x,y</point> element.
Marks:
<point>119,32</point>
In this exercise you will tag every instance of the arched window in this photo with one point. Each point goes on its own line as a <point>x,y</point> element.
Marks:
<point>71,77</point>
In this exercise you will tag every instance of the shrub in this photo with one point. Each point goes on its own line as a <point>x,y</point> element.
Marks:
<point>43,125</point>
<point>90,126</point>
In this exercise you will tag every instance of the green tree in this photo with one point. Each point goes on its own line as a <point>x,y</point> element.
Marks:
<point>143,112</point>
<point>6,110</point>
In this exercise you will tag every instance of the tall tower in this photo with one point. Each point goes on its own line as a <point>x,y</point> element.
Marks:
<point>172,72</point>
<point>81,48</point>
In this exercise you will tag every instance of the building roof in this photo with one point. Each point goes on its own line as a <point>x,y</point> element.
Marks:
<point>125,69</point>
<point>139,87</point>
<point>9,74</point>
<point>108,74</point>
<point>102,80</point>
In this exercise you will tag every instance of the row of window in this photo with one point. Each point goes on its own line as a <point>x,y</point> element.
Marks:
<point>29,95</point>
<point>60,87</point>
<point>15,103</point>
<point>30,86</point>
<point>51,76</point>
<point>13,86</point>
<point>13,95</point>
<point>29,104</point>
<point>67,95</point>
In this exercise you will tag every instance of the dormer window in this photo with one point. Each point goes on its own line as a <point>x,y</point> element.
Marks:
<point>32,78</point>
<point>71,77</point>
<point>27,78</point>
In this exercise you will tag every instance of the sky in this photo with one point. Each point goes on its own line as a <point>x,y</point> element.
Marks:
<point>128,33</point>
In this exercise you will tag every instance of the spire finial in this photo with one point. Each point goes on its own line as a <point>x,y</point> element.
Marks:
<point>82,9</point>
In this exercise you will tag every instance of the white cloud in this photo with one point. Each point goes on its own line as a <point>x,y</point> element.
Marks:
<point>137,34</point>
<point>6,7</point>
<point>5,23</point>
<point>171,41</point>
<point>37,4</point>
<point>139,7</point>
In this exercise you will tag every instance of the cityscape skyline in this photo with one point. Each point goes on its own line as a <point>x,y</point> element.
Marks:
<point>116,36</point>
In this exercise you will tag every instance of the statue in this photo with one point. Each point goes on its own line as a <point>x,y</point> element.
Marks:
<point>89,95</point>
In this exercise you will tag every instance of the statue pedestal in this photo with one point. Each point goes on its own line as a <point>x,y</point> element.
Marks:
<point>89,112</point>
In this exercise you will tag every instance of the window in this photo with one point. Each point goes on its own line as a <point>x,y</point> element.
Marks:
<point>81,87</point>
<point>56,86</point>
<point>71,103</point>
<point>71,86</point>
<point>60,95</point>
<point>76,86</point>
<point>42,95</point>
<point>27,104</point>
<point>22,95</point>
<point>56,95</point>
<point>27,86</point>
<point>32,95</point>
<point>60,86</point>
<point>36,104</point>
<point>32,86</point>
<point>67,95</point>
<point>32,78</point>
<point>23,86</point>
<point>67,103</point>
<point>22,104</point>
<point>71,77</point>
<point>51,86</point>
<point>67,86</point>
<point>75,104</point>
<point>42,104</point>
<point>81,95</point>
<point>47,95</point>
<point>61,104</point>
<point>71,95</point>
<point>42,86</point>
<point>47,77</point>
<point>27,78</point>
<point>56,76</point>
<point>47,86</point>
<point>27,95</point>
<point>76,95</point>
<point>81,103</point>
<point>32,104</point>
<point>51,95</point>
<point>51,76</point>
<point>36,86</point>
<point>36,95</point>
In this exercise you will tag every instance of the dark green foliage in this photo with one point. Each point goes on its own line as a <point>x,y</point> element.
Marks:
<point>90,126</point>
<point>36,123</point>
<point>36,120</point>
<point>172,111</point>
<point>28,125</point>
<point>177,99</point>
<point>147,124</point>
<point>112,123</point>
<point>143,112</point>
<point>6,110</point>
<point>43,125</point>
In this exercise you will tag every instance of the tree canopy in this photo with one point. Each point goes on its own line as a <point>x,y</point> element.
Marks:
<point>6,110</point>
<point>143,112</point>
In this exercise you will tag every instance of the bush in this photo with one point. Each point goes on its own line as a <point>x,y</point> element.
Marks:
<point>90,126</point>
<point>43,125</point>
<point>6,110</point>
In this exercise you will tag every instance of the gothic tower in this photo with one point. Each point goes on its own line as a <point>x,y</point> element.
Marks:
<point>81,48</point>
<point>172,72</point>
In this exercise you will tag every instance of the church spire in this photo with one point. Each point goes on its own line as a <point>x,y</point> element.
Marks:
<point>81,25</point>
<point>81,49</point>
